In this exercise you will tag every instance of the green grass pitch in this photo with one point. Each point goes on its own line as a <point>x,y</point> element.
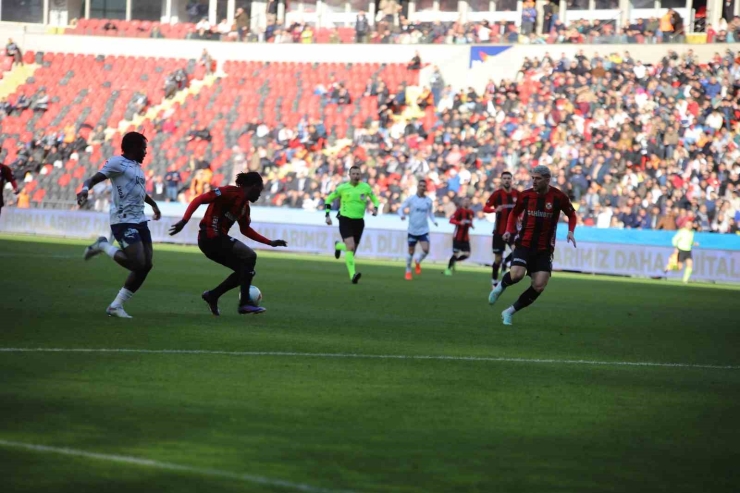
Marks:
<point>549,405</point>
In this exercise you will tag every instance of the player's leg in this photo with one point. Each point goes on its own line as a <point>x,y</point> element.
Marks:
<point>539,283</point>
<point>358,227</point>
<point>412,240</point>
<point>516,273</point>
<point>423,254</point>
<point>247,260</point>
<point>219,250</point>
<point>451,263</point>
<point>498,247</point>
<point>136,256</point>
<point>689,269</point>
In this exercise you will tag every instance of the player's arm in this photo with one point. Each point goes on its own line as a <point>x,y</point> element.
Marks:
<point>431,212</point>
<point>513,218</point>
<point>8,175</point>
<point>570,212</point>
<point>373,199</point>
<point>490,206</point>
<point>402,210</point>
<point>250,233</point>
<point>87,185</point>
<point>154,206</point>
<point>329,200</point>
<point>205,198</point>
<point>455,219</point>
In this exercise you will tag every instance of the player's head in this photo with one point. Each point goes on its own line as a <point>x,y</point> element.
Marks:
<point>421,188</point>
<point>540,178</point>
<point>506,178</point>
<point>251,183</point>
<point>133,146</point>
<point>465,203</point>
<point>355,175</point>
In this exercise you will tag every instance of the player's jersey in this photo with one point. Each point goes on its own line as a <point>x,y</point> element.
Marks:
<point>541,213</point>
<point>420,210</point>
<point>508,201</point>
<point>129,190</point>
<point>353,199</point>
<point>6,176</point>
<point>229,206</point>
<point>462,231</point>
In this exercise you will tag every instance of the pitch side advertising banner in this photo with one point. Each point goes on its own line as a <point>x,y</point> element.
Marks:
<point>590,257</point>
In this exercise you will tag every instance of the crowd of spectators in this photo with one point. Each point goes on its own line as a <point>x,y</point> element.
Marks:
<point>634,145</point>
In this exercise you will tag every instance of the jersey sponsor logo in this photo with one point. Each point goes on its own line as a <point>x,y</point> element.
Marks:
<point>539,213</point>
<point>230,216</point>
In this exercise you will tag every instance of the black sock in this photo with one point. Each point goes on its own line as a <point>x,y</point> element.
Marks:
<point>245,280</point>
<point>451,264</point>
<point>229,283</point>
<point>462,257</point>
<point>506,280</point>
<point>527,298</point>
<point>494,273</point>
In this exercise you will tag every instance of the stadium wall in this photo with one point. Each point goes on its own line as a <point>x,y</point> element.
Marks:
<point>644,260</point>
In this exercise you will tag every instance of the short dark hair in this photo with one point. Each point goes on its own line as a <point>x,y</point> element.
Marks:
<point>355,167</point>
<point>249,179</point>
<point>506,173</point>
<point>132,141</point>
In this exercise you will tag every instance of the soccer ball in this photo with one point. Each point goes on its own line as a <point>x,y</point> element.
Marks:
<point>255,295</point>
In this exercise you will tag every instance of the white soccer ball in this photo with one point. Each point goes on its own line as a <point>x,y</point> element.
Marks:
<point>255,295</point>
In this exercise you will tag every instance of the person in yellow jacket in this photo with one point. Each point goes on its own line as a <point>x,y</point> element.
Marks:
<point>683,242</point>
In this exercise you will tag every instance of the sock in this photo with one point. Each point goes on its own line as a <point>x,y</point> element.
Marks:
<point>687,274</point>
<point>123,296</point>
<point>229,283</point>
<point>245,282</point>
<point>510,311</point>
<point>451,263</point>
<point>349,259</point>
<point>110,250</point>
<point>340,246</point>
<point>494,271</point>
<point>505,283</point>
<point>421,256</point>
<point>527,298</point>
<point>462,257</point>
<point>409,258</point>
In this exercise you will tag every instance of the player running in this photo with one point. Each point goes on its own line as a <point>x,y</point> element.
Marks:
<point>683,242</point>
<point>353,196</point>
<point>127,220</point>
<point>535,242</point>
<point>501,202</point>
<point>421,209</point>
<point>6,176</point>
<point>463,221</point>
<point>226,206</point>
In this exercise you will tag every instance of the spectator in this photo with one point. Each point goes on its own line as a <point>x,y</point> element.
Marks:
<point>362,27</point>
<point>172,181</point>
<point>529,18</point>
<point>13,50</point>
<point>40,102</point>
<point>242,23</point>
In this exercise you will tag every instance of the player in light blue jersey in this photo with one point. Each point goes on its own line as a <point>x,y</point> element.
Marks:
<point>420,211</point>
<point>127,219</point>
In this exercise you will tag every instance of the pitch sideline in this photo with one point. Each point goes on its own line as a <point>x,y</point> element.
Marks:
<point>490,359</point>
<point>136,461</point>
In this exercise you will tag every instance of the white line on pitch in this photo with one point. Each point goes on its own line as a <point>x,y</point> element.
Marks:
<point>136,461</point>
<point>370,356</point>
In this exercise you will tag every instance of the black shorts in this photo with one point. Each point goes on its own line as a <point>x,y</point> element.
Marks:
<point>127,234</point>
<point>683,256</point>
<point>460,246</point>
<point>533,260</point>
<point>220,249</point>
<point>499,245</point>
<point>351,228</point>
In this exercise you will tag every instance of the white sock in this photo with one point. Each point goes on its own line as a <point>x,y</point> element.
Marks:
<point>123,296</point>
<point>422,255</point>
<point>510,310</point>
<point>499,287</point>
<point>409,258</point>
<point>109,249</point>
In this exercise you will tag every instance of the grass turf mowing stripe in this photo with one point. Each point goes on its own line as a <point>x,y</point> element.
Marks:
<point>492,359</point>
<point>136,461</point>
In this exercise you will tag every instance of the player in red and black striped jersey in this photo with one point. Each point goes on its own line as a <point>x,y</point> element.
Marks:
<point>502,201</point>
<point>540,207</point>
<point>6,176</point>
<point>226,206</point>
<point>463,221</point>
